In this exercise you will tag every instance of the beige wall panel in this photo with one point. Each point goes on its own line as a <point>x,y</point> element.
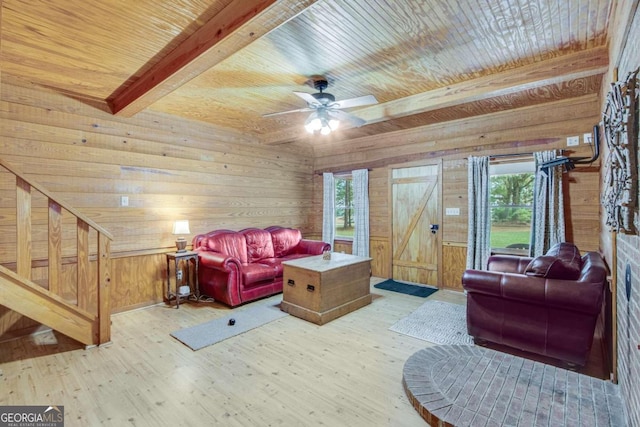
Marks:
<point>505,123</point>
<point>454,260</point>
<point>454,184</point>
<point>518,131</point>
<point>342,246</point>
<point>169,169</point>
<point>138,281</point>
<point>511,131</point>
<point>380,251</point>
<point>146,124</point>
<point>379,204</point>
<point>582,207</point>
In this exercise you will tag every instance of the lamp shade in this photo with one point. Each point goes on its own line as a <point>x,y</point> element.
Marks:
<point>181,227</point>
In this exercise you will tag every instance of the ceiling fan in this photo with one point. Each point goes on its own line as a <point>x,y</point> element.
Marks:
<point>326,112</point>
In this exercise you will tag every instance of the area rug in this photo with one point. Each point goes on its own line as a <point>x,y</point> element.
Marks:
<point>438,322</point>
<point>405,288</point>
<point>214,331</point>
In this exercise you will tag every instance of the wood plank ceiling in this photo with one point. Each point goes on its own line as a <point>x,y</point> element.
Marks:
<point>229,62</point>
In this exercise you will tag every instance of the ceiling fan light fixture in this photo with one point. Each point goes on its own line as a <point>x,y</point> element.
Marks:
<point>313,123</point>
<point>326,130</point>
<point>326,111</point>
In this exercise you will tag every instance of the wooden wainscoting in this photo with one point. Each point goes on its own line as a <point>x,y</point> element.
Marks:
<point>454,260</point>
<point>379,251</point>
<point>138,281</point>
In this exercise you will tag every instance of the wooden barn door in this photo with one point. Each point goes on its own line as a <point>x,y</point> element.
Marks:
<point>415,247</point>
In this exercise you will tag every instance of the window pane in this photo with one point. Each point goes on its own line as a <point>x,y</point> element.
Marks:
<point>344,207</point>
<point>511,210</point>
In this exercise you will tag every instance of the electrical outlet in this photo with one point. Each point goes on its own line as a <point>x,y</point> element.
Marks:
<point>452,211</point>
<point>124,201</point>
<point>179,274</point>
<point>587,138</point>
<point>572,141</point>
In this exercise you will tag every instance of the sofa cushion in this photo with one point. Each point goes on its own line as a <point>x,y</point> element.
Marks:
<point>230,243</point>
<point>259,245</point>
<point>285,240</point>
<point>253,274</point>
<point>562,261</point>
<point>275,263</point>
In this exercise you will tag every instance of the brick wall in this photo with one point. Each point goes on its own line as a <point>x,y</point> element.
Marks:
<point>629,325</point>
<point>628,253</point>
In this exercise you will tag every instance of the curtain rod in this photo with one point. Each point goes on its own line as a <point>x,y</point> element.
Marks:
<point>342,172</point>
<point>499,156</point>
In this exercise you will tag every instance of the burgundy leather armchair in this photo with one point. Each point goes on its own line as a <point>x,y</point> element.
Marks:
<point>236,267</point>
<point>547,305</point>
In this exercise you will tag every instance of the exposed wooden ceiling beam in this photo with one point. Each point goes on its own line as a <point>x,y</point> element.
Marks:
<point>556,70</point>
<point>235,27</point>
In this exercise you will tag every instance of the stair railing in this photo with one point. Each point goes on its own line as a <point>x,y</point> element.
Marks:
<point>86,318</point>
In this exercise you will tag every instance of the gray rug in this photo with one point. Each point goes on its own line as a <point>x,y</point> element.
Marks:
<point>214,331</point>
<point>438,322</point>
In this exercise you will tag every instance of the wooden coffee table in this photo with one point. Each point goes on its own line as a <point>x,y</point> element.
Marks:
<point>319,290</point>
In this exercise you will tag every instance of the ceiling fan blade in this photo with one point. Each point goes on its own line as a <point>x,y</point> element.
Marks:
<point>299,110</point>
<point>352,120</point>
<point>355,102</point>
<point>308,98</point>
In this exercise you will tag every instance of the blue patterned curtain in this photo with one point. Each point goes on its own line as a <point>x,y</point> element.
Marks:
<point>479,224</point>
<point>361,205</point>
<point>328,209</point>
<point>547,224</point>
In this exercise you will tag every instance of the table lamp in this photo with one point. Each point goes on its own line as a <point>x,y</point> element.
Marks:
<point>181,227</point>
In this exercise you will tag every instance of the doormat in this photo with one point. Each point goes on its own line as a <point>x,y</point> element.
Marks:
<point>216,330</point>
<point>406,288</point>
<point>438,322</point>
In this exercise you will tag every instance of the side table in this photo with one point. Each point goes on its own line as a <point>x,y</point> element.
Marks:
<point>189,257</point>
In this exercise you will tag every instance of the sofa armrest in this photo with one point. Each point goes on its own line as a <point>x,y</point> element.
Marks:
<point>508,263</point>
<point>312,247</point>
<point>218,261</point>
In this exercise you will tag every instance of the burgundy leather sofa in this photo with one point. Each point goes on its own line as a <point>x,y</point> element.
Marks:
<point>547,305</point>
<point>236,267</point>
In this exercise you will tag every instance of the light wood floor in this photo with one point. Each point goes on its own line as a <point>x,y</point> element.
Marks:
<point>287,373</point>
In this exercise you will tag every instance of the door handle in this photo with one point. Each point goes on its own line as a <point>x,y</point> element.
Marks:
<point>434,228</point>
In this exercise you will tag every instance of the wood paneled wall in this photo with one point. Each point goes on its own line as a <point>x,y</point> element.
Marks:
<point>169,169</point>
<point>516,131</point>
<point>175,169</point>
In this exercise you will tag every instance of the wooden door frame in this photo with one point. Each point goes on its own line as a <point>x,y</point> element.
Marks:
<point>431,162</point>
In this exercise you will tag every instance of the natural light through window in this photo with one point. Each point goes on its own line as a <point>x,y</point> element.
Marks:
<point>511,199</point>
<point>344,207</point>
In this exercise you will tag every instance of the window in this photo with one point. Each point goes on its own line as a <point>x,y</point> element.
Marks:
<point>344,210</point>
<point>511,199</point>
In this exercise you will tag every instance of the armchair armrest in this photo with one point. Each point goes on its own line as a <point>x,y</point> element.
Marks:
<point>312,247</point>
<point>508,263</point>
<point>582,296</point>
<point>504,285</point>
<point>572,295</point>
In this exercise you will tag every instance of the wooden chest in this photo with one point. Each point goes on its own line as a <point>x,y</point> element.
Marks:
<point>320,290</point>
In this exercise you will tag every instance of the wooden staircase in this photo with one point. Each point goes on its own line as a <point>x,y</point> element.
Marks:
<point>80,310</point>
